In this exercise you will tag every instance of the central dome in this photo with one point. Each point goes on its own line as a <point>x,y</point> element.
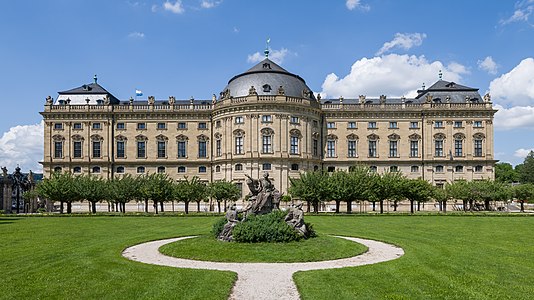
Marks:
<point>267,77</point>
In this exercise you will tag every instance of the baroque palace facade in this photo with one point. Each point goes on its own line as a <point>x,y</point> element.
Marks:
<point>267,119</point>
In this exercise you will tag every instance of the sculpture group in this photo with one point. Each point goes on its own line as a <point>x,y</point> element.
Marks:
<point>262,199</point>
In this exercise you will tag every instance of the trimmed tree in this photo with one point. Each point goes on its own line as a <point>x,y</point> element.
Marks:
<point>416,190</point>
<point>93,189</point>
<point>222,190</point>
<point>123,190</point>
<point>312,187</point>
<point>524,193</point>
<point>59,187</point>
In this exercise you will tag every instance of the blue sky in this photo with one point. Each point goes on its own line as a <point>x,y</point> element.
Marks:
<point>193,47</point>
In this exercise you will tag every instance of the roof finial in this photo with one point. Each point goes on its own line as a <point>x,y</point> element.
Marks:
<point>266,51</point>
<point>95,78</point>
<point>440,75</point>
<point>423,86</point>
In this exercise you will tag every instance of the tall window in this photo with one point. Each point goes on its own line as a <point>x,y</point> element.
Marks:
<point>182,150</point>
<point>438,147</point>
<point>315,147</point>
<point>77,149</point>
<point>202,149</point>
<point>267,140</point>
<point>351,151</point>
<point>478,147</point>
<point>458,147</point>
<point>372,148</point>
<point>58,149</point>
<point>141,149</point>
<point>97,149</point>
<point>162,153</point>
<point>239,145</point>
<point>414,148</point>
<point>393,149</point>
<point>294,149</point>
<point>218,149</point>
<point>121,153</point>
<point>331,148</point>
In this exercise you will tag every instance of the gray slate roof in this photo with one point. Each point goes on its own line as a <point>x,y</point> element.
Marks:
<point>90,89</point>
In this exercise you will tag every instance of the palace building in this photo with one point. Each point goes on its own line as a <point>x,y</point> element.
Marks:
<point>268,119</point>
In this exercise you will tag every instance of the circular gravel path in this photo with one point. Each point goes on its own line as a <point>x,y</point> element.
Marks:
<point>263,280</point>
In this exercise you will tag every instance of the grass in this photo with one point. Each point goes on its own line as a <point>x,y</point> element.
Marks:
<point>446,258</point>
<point>314,249</point>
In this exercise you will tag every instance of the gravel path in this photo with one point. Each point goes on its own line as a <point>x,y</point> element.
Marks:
<point>263,280</point>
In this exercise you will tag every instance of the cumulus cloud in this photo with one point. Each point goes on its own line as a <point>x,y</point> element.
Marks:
<point>522,13</point>
<point>404,41</point>
<point>393,75</point>
<point>515,88</point>
<point>277,56</point>
<point>488,65</point>
<point>136,35</point>
<point>176,7</point>
<point>23,145</point>
<point>353,4</point>
<point>522,153</point>
<point>514,117</point>
<point>209,4</point>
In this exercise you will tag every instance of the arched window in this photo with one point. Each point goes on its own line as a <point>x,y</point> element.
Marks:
<point>414,169</point>
<point>181,169</point>
<point>202,169</point>
<point>393,168</point>
<point>161,169</point>
<point>294,167</point>
<point>478,168</point>
<point>140,170</point>
<point>120,170</point>
<point>458,168</point>
<point>77,170</point>
<point>239,167</point>
<point>439,169</point>
<point>239,136</point>
<point>217,168</point>
<point>267,140</point>
<point>295,136</point>
<point>96,169</point>
<point>373,169</point>
<point>57,169</point>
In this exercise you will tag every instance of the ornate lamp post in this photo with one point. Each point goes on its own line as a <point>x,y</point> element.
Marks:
<point>20,185</point>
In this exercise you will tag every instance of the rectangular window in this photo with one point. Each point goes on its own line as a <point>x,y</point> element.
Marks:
<point>393,149</point>
<point>351,148</point>
<point>351,125</point>
<point>238,145</point>
<point>182,125</point>
<point>478,168</point>
<point>315,123</point>
<point>458,124</point>
<point>162,126</point>
<point>77,149</point>
<point>393,125</point>
<point>182,150</point>
<point>267,144</point>
<point>141,149</point>
<point>458,147</point>
<point>266,166</point>
<point>439,169</point>
<point>121,153</point>
<point>58,149</point>
<point>239,120</point>
<point>77,126</point>
<point>414,169</point>
<point>438,124</point>
<point>478,148</point>
<point>294,120</point>
<point>414,125</point>
<point>202,149</point>
<point>218,150</point>
<point>141,126</point>
<point>58,126</point>
<point>294,148</point>
<point>96,126</point>
<point>97,149</point>
<point>331,125</point>
<point>161,149</point>
<point>371,125</point>
<point>266,118</point>
<point>477,124</point>
<point>372,149</point>
<point>438,148</point>
<point>202,125</point>
<point>218,124</point>
<point>414,148</point>
<point>330,148</point>
<point>121,126</point>
<point>315,147</point>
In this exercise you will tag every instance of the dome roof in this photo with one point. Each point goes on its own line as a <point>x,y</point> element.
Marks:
<point>267,77</point>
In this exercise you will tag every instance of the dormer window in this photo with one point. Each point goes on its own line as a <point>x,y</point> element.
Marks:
<point>100,102</point>
<point>62,102</point>
<point>266,88</point>
<point>267,66</point>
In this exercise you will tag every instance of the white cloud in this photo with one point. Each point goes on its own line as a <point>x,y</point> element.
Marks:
<point>523,10</point>
<point>515,88</point>
<point>277,56</point>
<point>514,117</point>
<point>136,35</point>
<point>488,65</point>
<point>236,30</point>
<point>209,4</point>
<point>404,41</point>
<point>176,8</point>
<point>23,145</point>
<point>522,153</point>
<point>352,4</point>
<point>393,75</point>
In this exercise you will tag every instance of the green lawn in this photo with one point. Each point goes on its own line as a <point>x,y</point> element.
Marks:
<point>446,258</point>
<point>315,249</point>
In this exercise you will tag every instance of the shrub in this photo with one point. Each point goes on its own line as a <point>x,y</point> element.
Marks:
<point>265,228</point>
<point>218,227</point>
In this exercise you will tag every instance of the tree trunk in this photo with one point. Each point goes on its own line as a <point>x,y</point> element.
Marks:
<point>522,206</point>
<point>487,204</point>
<point>186,207</point>
<point>349,206</point>
<point>418,206</point>
<point>69,207</point>
<point>395,204</point>
<point>161,204</point>
<point>308,204</point>
<point>411,207</point>
<point>146,206</point>
<point>444,206</point>
<point>93,207</point>
<point>316,207</point>
<point>156,207</point>
<point>219,206</point>
<point>224,205</point>
<point>471,202</point>
<point>381,206</point>
<point>374,204</point>
<point>465,204</point>
<point>337,206</point>
<point>198,206</point>
<point>61,207</point>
